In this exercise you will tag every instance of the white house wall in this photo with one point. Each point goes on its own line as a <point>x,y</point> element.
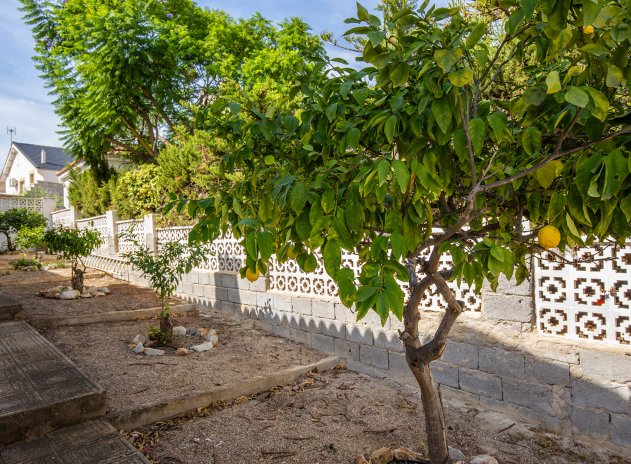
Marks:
<point>21,170</point>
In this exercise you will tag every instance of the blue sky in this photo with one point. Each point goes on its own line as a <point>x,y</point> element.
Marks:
<point>26,105</point>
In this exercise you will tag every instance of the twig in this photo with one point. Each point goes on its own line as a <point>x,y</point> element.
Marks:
<point>277,454</point>
<point>506,428</point>
<point>380,431</point>
<point>299,438</point>
<point>152,364</point>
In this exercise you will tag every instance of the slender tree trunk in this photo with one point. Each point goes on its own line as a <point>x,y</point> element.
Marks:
<point>77,278</point>
<point>9,242</point>
<point>434,413</point>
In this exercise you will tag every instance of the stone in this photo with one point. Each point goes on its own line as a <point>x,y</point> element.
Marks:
<point>139,338</point>
<point>95,294</point>
<point>104,290</point>
<point>52,292</point>
<point>456,454</point>
<point>86,295</point>
<point>212,339</point>
<point>483,459</point>
<point>69,295</point>
<point>150,343</point>
<point>191,331</point>
<point>361,459</point>
<point>202,332</point>
<point>181,352</point>
<point>153,352</point>
<point>179,330</point>
<point>382,456</point>
<point>139,348</point>
<point>91,290</point>
<point>202,347</point>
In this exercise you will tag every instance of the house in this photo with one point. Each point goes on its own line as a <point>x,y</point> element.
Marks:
<point>29,165</point>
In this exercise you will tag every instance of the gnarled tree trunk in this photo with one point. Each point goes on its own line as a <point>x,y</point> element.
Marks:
<point>77,278</point>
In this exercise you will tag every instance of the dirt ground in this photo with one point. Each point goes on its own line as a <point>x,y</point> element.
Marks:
<point>333,416</point>
<point>25,285</point>
<point>132,381</point>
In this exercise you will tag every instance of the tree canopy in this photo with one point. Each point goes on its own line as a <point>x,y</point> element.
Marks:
<point>126,75</point>
<point>432,148</point>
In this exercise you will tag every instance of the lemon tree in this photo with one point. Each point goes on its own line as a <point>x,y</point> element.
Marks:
<point>429,146</point>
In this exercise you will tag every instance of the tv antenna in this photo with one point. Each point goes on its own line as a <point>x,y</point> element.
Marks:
<point>11,131</point>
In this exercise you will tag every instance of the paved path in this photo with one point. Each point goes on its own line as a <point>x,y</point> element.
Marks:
<point>48,407</point>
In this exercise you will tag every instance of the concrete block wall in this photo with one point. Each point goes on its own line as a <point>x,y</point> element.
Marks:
<point>494,361</point>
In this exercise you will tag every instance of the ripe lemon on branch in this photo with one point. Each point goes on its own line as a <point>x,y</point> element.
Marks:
<point>252,276</point>
<point>549,237</point>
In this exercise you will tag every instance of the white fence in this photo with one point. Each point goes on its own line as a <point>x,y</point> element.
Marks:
<point>44,206</point>
<point>589,302</point>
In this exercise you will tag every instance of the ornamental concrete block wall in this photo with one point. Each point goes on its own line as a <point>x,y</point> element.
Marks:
<point>496,359</point>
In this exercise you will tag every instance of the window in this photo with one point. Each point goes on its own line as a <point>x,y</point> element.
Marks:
<point>31,179</point>
<point>21,187</point>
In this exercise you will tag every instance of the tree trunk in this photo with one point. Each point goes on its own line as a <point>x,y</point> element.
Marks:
<point>10,246</point>
<point>166,327</point>
<point>77,278</point>
<point>434,414</point>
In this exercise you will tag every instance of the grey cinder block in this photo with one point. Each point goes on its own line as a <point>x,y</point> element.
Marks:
<point>372,356</point>
<point>480,383</point>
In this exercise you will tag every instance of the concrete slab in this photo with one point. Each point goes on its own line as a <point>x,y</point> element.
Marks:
<point>10,309</point>
<point>40,389</point>
<point>94,442</point>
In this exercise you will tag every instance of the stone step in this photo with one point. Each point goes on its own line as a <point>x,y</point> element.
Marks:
<point>40,389</point>
<point>10,309</point>
<point>93,442</point>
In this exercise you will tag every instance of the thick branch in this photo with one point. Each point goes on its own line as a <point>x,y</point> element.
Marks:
<point>139,137</point>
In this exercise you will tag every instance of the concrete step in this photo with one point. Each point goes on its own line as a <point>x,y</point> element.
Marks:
<point>10,309</point>
<point>94,442</point>
<point>40,389</point>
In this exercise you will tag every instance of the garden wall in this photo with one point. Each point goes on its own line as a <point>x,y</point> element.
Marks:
<point>554,352</point>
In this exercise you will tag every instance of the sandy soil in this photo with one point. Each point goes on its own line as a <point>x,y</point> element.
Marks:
<point>333,416</point>
<point>24,286</point>
<point>132,381</point>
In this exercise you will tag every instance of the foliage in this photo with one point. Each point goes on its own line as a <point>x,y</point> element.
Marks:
<point>73,245</point>
<point>422,153</point>
<point>25,262</point>
<point>157,335</point>
<point>15,219</point>
<point>125,84</point>
<point>89,195</point>
<point>30,237</point>
<point>165,270</point>
<point>137,192</point>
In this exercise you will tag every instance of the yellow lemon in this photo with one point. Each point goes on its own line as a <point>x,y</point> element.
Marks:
<point>252,276</point>
<point>549,237</point>
<point>589,30</point>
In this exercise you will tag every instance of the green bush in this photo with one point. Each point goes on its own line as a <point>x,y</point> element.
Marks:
<point>137,192</point>
<point>25,262</point>
<point>89,196</point>
<point>15,219</point>
<point>30,237</point>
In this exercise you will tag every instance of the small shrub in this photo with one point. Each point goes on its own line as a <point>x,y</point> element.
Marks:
<point>73,245</point>
<point>15,219</point>
<point>30,237</point>
<point>25,262</point>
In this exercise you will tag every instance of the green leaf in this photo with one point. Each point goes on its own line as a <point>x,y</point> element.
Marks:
<point>402,174</point>
<point>250,246</point>
<point>601,104</point>
<point>328,201</point>
<point>400,74</point>
<point>571,226</point>
<point>531,141</point>
<point>461,77</point>
<point>394,296</point>
<point>382,170</point>
<point>389,128</point>
<point>475,35</point>
<point>269,160</point>
<point>353,136</point>
<point>353,206</point>
<point>553,82</point>
<point>625,206</point>
<point>477,131</point>
<point>616,171</point>
<point>298,197</point>
<point>365,292</point>
<point>398,245</point>
<point>447,58</point>
<point>266,245</point>
<point>577,97</point>
<point>615,77</point>
<point>498,122</point>
<point>595,49</point>
<point>376,37</point>
<point>303,226</point>
<point>546,174</point>
<point>441,109</point>
<point>332,257</point>
<point>331,112</point>
<point>310,263</point>
<point>362,13</point>
<point>556,206</point>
